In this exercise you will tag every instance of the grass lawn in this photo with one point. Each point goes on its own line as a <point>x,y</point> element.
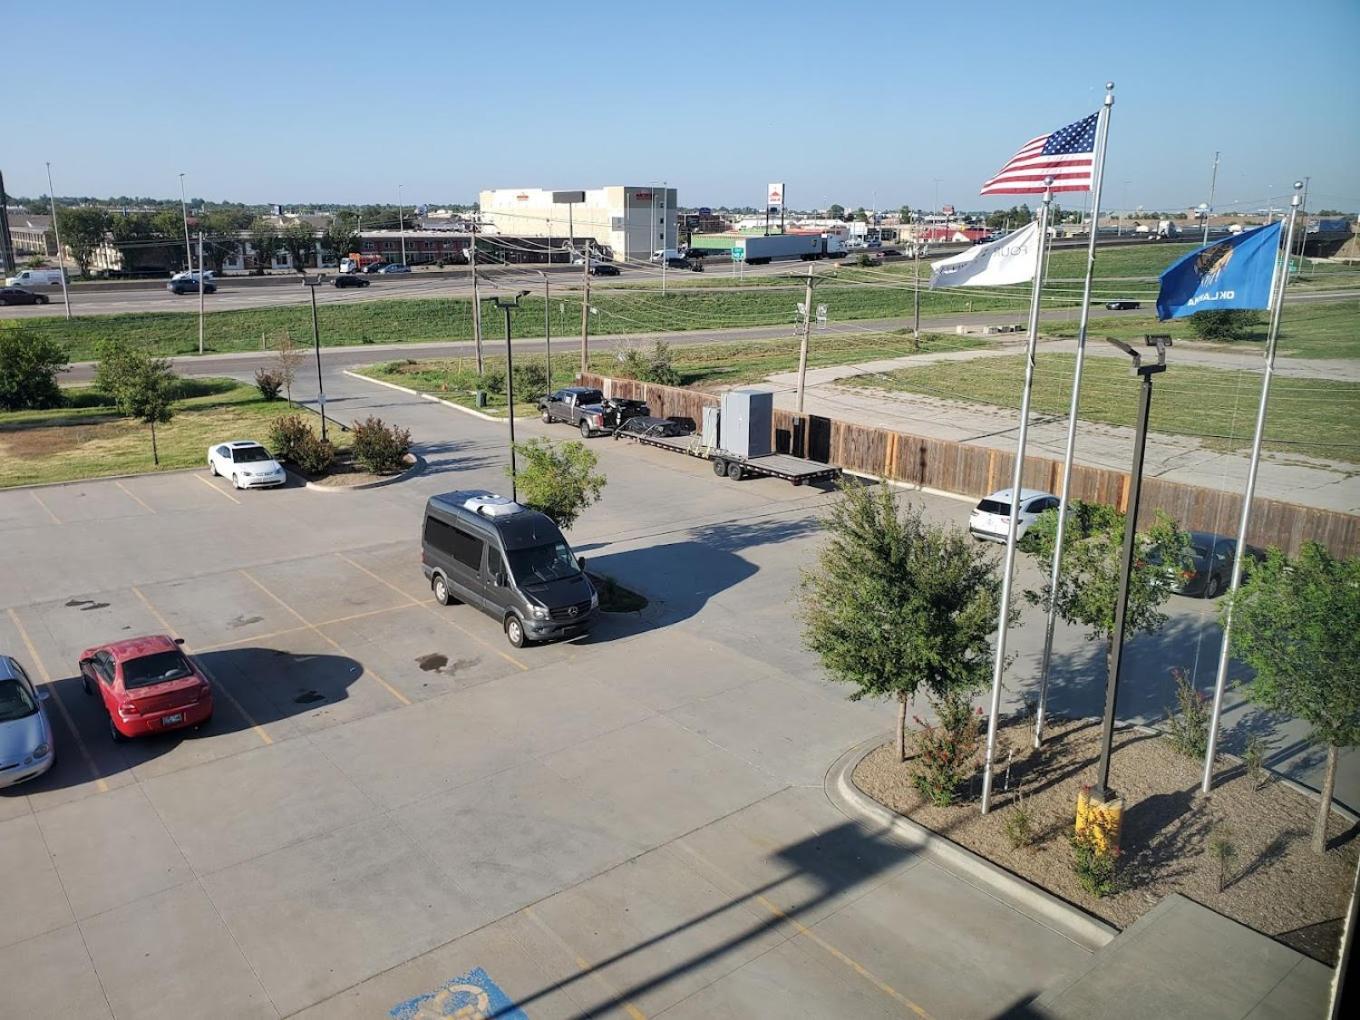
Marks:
<point>92,441</point>
<point>1313,329</point>
<point>1314,417</point>
<point>706,365</point>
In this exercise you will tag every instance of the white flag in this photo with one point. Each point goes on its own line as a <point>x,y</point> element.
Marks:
<point>1012,259</point>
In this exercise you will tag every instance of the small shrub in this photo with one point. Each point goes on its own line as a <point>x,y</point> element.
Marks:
<point>946,752</point>
<point>268,383</point>
<point>379,447</point>
<point>1223,851</point>
<point>287,435</point>
<point>1093,861</point>
<point>314,455</point>
<point>531,380</point>
<point>1228,324</point>
<point>1254,759</point>
<point>493,378</point>
<point>1188,727</point>
<point>1019,824</point>
<point>654,366</point>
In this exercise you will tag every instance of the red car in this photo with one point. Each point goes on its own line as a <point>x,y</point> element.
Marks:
<point>148,685</point>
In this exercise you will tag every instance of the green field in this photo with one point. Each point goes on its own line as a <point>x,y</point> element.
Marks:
<point>1311,417</point>
<point>91,440</point>
<point>706,365</point>
<point>1313,329</point>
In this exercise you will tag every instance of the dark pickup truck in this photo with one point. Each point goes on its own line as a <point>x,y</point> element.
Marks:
<point>588,409</point>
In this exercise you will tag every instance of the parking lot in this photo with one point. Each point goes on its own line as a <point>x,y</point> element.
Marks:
<point>391,806</point>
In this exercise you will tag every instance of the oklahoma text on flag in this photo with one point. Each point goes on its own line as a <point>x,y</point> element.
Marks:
<point>1012,259</point>
<point>1233,273</point>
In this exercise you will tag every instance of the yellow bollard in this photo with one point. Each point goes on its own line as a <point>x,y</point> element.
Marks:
<point>1103,817</point>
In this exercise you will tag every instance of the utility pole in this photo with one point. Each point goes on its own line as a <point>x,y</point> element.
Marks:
<point>547,325</point>
<point>7,262</point>
<point>585,313</point>
<point>202,286</point>
<point>184,211</point>
<point>1303,234</point>
<point>311,283</point>
<point>803,347</point>
<point>476,304</point>
<point>1209,210</point>
<point>506,304</point>
<point>401,224</point>
<point>56,231</point>
<point>916,285</point>
<point>665,239</point>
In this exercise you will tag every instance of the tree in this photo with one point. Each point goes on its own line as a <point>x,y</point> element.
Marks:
<point>132,227</point>
<point>220,229</point>
<point>264,239</point>
<point>342,236</point>
<point>904,214</point>
<point>1228,324</point>
<point>287,360</point>
<point>896,604</point>
<point>168,223</point>
<point>142,387</point>
<point>299,241</point>
<point>1296,623</point>
<point>560,481</point>
<point>1088,584</point>
<point>835,211</point>
<point>29,364</point>
<point>861,216</point>
<point>83,229</point>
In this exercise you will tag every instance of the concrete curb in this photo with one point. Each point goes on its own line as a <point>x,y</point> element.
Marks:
<point>100,478</point>
<point>911,486</point>
<point>431,397</point>
<point>1069,921</point>
<point>417,466</point>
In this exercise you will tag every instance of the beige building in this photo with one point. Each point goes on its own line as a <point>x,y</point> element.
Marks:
<point>632,221</point>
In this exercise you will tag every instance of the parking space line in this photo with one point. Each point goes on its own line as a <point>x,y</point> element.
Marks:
<point>368,670</point>
<point>293,630</point>
<point>99,781</point>
<point>217,684</point>
<point>46,509</point>
<point>215,489</point>
<point>429,607</point>
<point>586,968</point>
<point>133,496</point>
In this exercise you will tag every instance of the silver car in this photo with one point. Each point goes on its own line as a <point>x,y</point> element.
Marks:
<point>26,750</point>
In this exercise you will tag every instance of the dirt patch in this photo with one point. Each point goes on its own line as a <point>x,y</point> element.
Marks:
<point>32,442</point>
<point>1276,884</point>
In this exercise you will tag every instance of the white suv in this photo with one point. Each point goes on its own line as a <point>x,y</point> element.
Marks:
<point>992,516</point>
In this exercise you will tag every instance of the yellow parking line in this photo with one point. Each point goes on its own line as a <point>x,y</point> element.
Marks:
<point>368,670</point>
<point>585,965</point>
<point>100,783</point>
<point>47,509</point>
<point>217,684</point>
<point>293,630</point>
<point>215,489</point>
<point>134,497</point>
<point>430,607</point>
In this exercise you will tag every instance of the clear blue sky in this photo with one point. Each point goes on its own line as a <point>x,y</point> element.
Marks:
<point>845,101</point>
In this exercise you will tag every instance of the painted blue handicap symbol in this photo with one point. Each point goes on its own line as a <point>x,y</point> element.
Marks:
<point>472,996</point>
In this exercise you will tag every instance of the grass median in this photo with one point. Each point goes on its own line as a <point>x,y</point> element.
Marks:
<point>90,439</point>
<point>1309,417</point>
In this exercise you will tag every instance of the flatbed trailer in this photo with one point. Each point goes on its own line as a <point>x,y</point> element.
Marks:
<point>730,465</point>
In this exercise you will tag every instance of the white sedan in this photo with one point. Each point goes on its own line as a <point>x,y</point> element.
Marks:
<point>248,464</point>
<point>991,518</point>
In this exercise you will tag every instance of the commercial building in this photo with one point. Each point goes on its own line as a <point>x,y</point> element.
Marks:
<point>632,222</point>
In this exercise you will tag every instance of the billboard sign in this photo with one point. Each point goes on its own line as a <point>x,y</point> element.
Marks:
<point>774,195</point>
<point>567,197</point>
<point>948,210</point>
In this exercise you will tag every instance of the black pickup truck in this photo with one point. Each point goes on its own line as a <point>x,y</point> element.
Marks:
<point>589,410</point>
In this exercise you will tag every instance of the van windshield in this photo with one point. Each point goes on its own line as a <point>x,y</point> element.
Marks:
<point>552,561</point>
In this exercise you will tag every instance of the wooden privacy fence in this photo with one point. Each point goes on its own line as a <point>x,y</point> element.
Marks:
<point>977,470</point>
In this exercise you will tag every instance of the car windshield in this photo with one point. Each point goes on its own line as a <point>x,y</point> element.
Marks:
<point>156,668</point>
<point>250,454</point>
<point>15,701</point>
<point>552,561</point>
<point>991,506</point>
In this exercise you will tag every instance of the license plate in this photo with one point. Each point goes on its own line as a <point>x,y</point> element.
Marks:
<point>170,720</point>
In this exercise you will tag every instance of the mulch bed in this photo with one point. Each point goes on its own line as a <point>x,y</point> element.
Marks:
<point>1276,884</point>
<point>345,473</point>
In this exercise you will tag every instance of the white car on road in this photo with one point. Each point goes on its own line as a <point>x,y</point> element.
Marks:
<point>248,464</point>
<point>991,518</point>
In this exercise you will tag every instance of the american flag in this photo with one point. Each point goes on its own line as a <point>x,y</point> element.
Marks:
<point>1066,155</point>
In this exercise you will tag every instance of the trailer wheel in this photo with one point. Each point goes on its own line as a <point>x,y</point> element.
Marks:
<point>719,467</point>
<point>734,471</point>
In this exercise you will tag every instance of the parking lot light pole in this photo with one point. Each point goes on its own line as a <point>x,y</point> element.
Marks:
<point>184,212</point>
<point>506,304</point>
<point>56,232</point>
<point>547,324</point>
<point>1101,790</point>
<point>311,283</point>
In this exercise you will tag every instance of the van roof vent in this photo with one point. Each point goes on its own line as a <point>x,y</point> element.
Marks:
<point>492,505</point>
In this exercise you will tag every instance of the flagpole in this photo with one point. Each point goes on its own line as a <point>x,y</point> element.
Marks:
<point>1277,306</point>
<point>1017,479</point>
<point>1102,138</point>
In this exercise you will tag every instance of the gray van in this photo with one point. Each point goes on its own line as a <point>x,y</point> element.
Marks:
<point>508,561</point>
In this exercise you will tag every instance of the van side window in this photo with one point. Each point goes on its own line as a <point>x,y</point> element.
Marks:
<point>467,549</point>
<point>439,535</point>
<point>494,566</point>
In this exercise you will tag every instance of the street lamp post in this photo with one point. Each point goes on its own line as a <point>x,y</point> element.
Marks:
<point>401,224</point>
<point>1101,790</point>
<point>311,283</point>
<point>56,233</point>
<point>506,304</point>
<point>547,324</point>
<point>184,211</point>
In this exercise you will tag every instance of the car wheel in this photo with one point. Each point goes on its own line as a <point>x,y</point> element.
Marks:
<point>212,467</point>
<point>117,737</point>
<point>585,430</point>
<point>514,631</point>
<point>207,721</point>
<point>42,299</point>
<point>720,467</point>
<point>1212,587</point>
<point>734,471</point>
<point>547,418</point>
<point>235,482</point>
<point>440,587</point>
